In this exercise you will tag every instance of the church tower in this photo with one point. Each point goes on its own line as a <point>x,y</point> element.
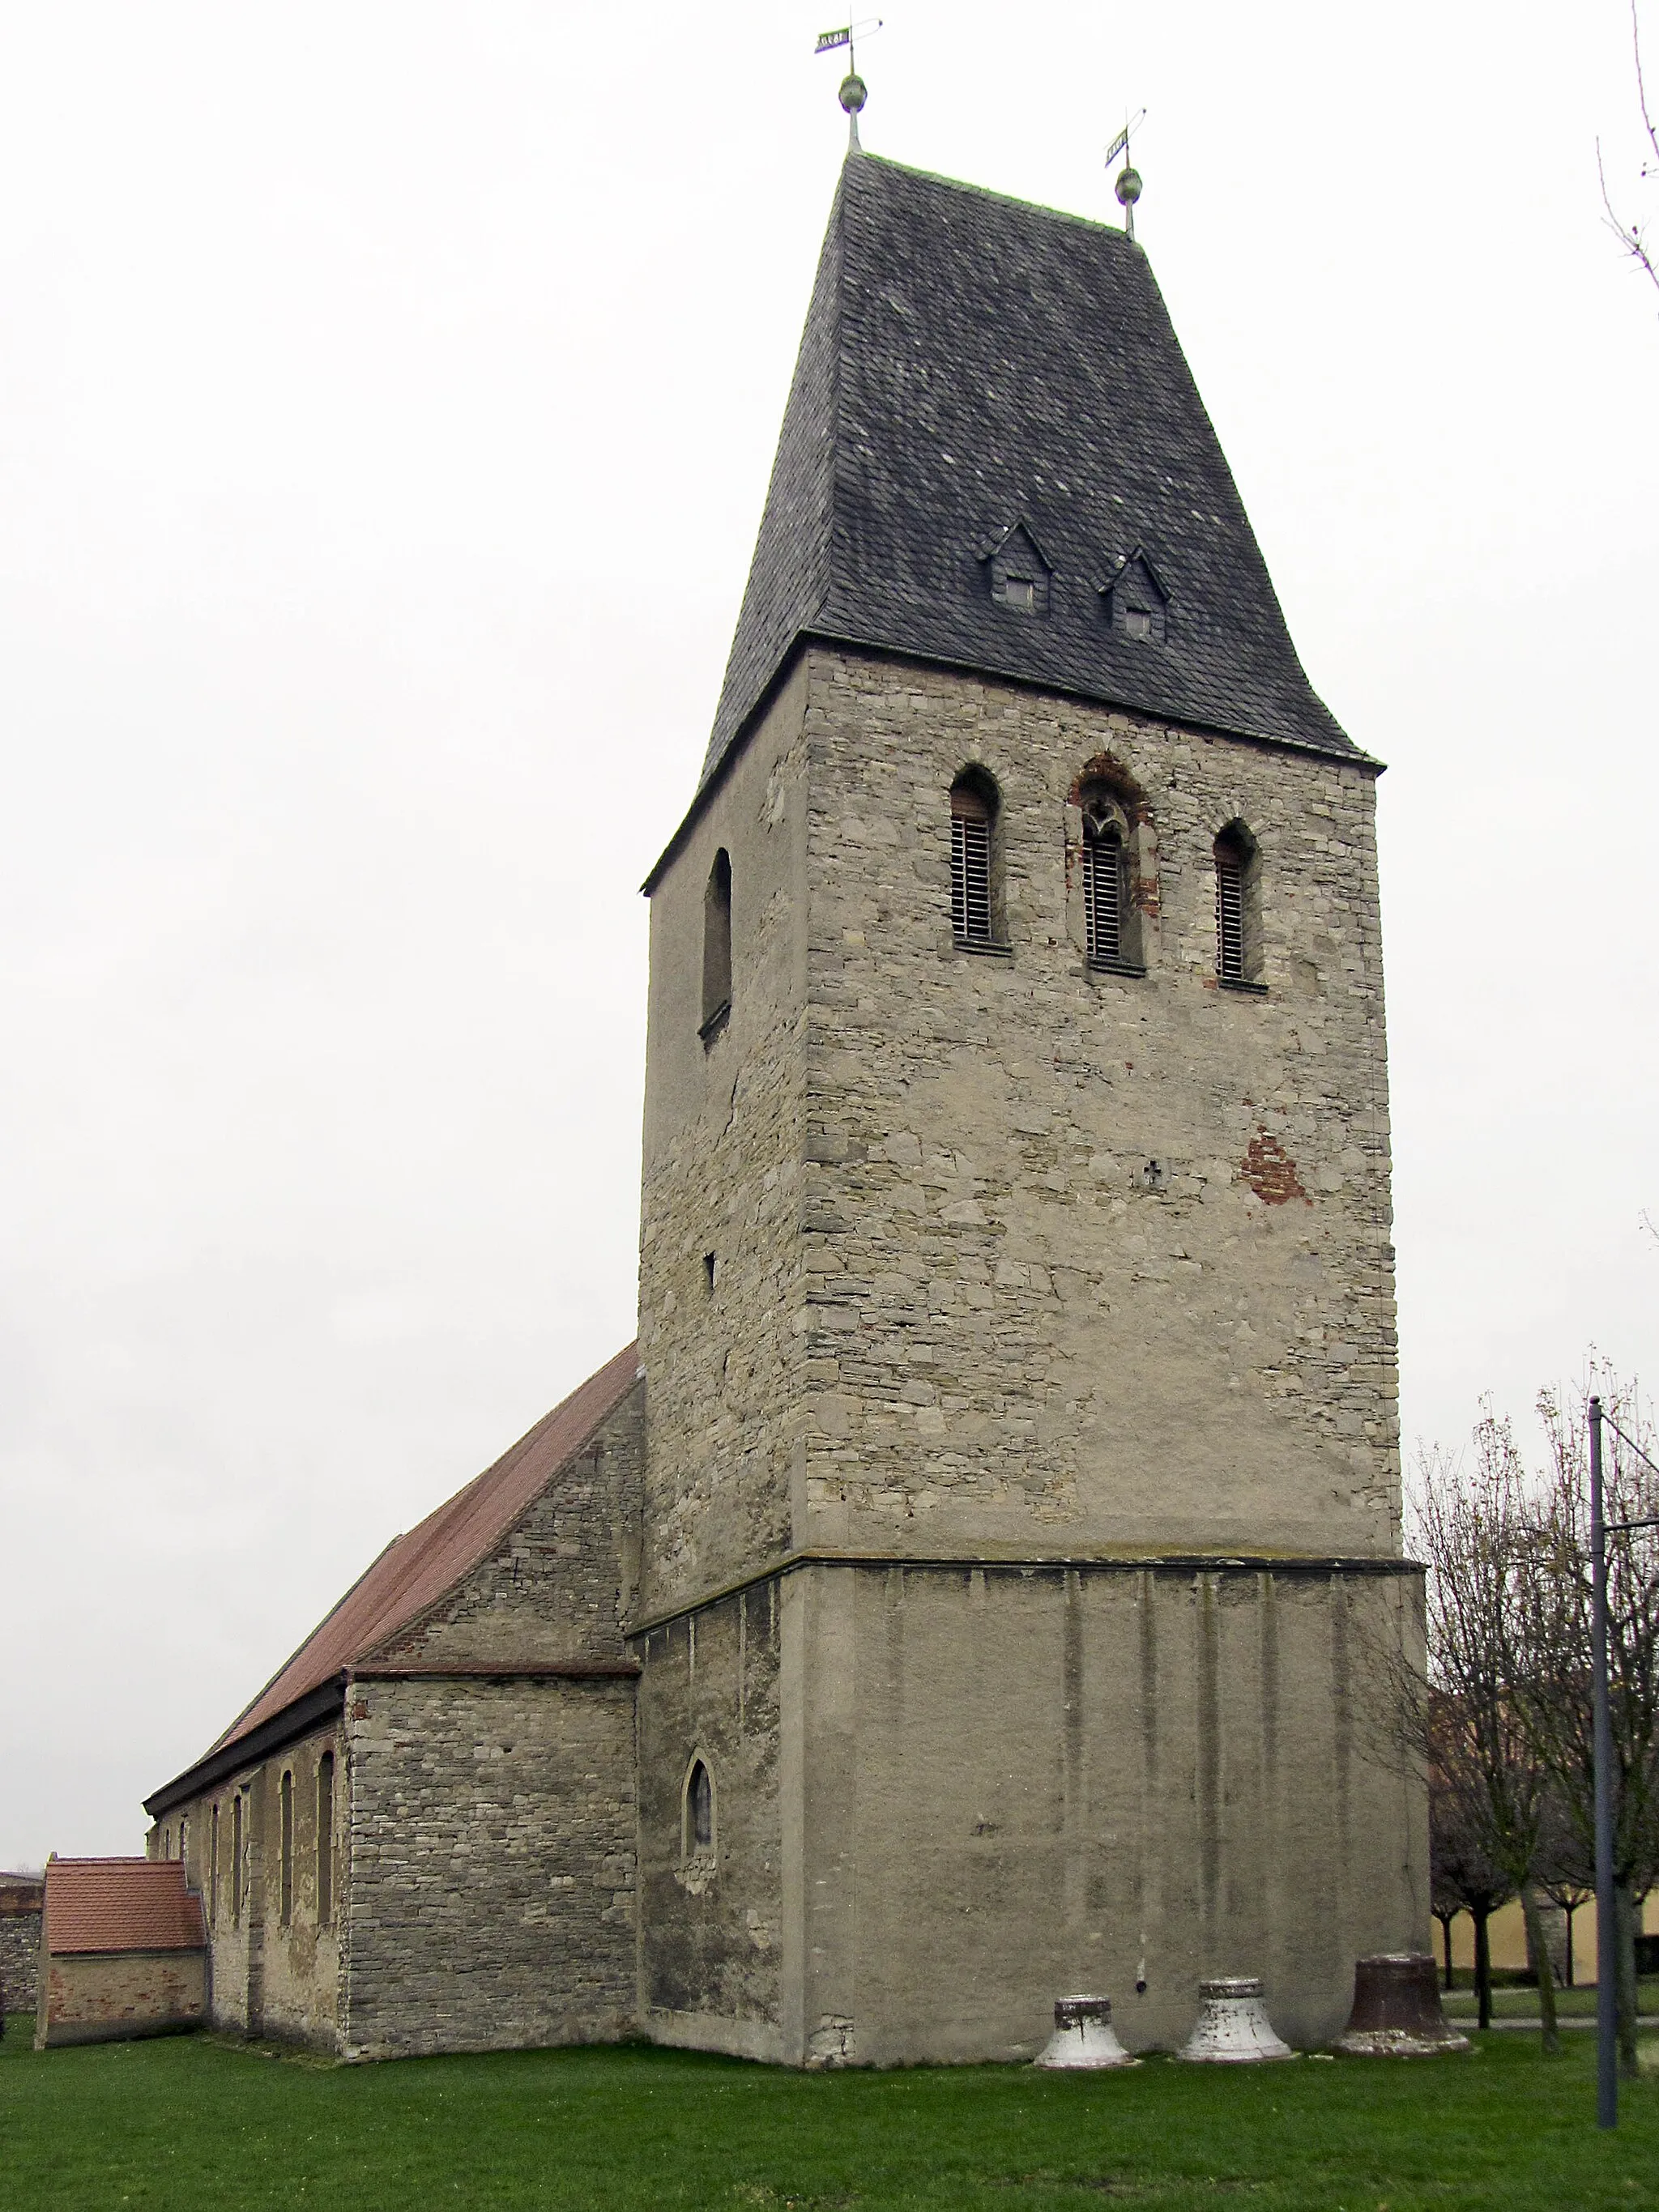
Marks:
<point>1021,1507</point>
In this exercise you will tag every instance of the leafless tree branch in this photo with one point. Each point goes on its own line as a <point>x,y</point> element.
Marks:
<point>1632,236</point>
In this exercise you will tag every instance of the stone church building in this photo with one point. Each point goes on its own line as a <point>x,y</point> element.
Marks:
<point>967,1590</point>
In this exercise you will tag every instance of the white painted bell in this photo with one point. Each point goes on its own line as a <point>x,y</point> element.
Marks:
<point>1232,2027</point>
<point>1083,2036</point>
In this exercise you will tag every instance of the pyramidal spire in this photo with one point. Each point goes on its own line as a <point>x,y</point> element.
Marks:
<point>969,364</point>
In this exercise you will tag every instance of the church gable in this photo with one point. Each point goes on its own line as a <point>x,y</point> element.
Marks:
<point>559,1582</point>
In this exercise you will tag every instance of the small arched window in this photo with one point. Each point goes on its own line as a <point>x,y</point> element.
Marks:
<point>236,1859</point>
<point>973,809</point>
<point>717,947</point>
<point>1238,906</point>
<point>326,1839</point>
<point>285,1849</point>
<point>213,1865</point>
<point>698,1817</point>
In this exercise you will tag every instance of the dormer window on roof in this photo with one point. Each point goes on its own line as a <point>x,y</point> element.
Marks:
<point>1018,571</point>
<point>1137,604</point>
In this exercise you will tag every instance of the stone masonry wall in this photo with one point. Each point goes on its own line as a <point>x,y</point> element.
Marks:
<point>493,1864</point>
<point>711,1920</point>
<point>1019,1782</point>
<point>270,1975</point>
<point>19,1958</point>
<point>1013,1342</point>
<point>565,1577</point>
<point>723,1132</point>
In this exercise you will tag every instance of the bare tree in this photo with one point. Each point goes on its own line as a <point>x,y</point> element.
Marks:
<point>1553,1683</point>
<point>1463,1876</point>
<point>1632,236</point>
<point>1564,1875</point>
<point>1461,1721</point>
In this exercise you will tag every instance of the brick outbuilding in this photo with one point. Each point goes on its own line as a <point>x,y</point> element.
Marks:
<point>123,1952</point>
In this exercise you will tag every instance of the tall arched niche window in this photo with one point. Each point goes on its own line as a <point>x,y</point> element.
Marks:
<point>976,922</point>
<point>1112,866</point>
<point>285,1849</point>
<point>697,1816</point>
<point>1238,908</point>
<point>717,948</point>
<point>326,1839</point>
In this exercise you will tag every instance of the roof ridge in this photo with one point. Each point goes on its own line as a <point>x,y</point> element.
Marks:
<point>1007,199</point>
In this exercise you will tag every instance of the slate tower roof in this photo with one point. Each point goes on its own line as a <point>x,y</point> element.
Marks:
<point>972,369</point>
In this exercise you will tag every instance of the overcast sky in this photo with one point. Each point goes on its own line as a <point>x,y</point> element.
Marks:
<point>386,400</point>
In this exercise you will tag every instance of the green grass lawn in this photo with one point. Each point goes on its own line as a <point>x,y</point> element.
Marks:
<point>1522,2003</point>
<point>190,2122</point>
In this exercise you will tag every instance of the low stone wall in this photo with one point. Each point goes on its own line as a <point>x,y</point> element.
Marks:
<point>20,1950</point>
<point>103,1996</point>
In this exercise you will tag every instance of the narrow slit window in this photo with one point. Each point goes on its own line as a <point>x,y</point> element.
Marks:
<point>326,1839</point>
<point>212,1866</point>
<point>717,947</point>
<point>285,1850</point>
<point>699,1809</point>
<point>973,814</point>
<point>236,1859</point>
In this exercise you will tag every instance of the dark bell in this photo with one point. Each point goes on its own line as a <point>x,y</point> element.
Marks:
<point>1396,2009</point>
<point>1127,187</point>
<point>853,93</point>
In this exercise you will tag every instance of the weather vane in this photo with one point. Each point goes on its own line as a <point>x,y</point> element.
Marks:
<point>853,90</point>
<point>1127,187</point>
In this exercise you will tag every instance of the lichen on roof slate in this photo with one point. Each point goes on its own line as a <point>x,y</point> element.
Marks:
<point>969,361</point>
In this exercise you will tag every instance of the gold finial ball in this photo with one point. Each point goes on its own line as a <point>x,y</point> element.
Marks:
<point>1127,187</point>
<point>853,93</point>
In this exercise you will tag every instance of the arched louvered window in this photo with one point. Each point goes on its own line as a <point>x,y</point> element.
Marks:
<point>973,842</point>
<point>1107,865</point>
<point>1238,916</point>
<point>1103,892</point>
<point>717,947</point>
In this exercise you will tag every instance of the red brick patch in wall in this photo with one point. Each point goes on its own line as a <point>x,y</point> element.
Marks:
<point>1271,1172</point>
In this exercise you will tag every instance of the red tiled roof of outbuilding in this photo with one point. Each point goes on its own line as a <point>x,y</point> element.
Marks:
<point>121,1905</point>
<point>415,1571</point>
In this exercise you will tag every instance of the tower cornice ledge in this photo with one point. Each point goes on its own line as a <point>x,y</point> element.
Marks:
<point>1102,1559</point>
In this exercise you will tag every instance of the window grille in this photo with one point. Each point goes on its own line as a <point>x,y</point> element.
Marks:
<point>1229,919</point>
<point>970,880</point>
<point>1103,898</point>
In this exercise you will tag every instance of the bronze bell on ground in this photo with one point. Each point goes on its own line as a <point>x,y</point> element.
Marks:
<point>1396,2009</point>
<point>1232,2027</point>
<point>1083,2036</point>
